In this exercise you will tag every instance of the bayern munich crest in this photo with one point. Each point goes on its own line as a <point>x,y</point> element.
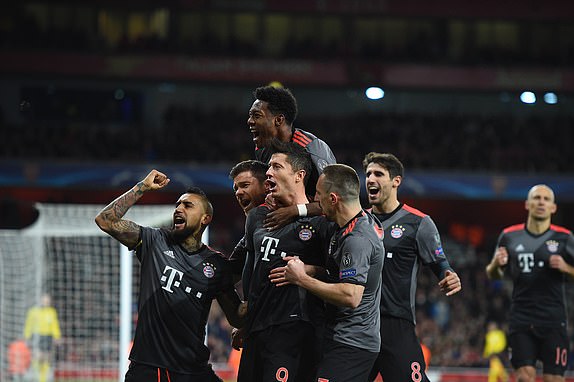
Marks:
<point>306,232</point>
<point>208,270</point>
<point>397,231</point>
<point>552,245</point>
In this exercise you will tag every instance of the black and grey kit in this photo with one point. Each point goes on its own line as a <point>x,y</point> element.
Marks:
<point>411,241</point>
<point>176,291</point>
<point>538,321</point>
<point>352,335</point>
<point>281,321</point>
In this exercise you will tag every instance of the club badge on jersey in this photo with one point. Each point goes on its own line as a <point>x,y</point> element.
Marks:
<point>209,270</point>
<point>552,246</point>
<point>306,232</point>
<point>397,231</point>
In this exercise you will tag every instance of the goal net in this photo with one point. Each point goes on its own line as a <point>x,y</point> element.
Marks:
<point>91,278</point>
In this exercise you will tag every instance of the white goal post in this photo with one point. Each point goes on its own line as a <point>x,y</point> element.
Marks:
<point>92,279</point>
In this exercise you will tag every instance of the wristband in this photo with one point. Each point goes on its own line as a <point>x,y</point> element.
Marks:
<point>302,208</point>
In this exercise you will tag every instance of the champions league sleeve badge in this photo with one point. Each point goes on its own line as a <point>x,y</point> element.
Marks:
<point>346,260</point>
<point>209,270</point>
<point>306,232</point>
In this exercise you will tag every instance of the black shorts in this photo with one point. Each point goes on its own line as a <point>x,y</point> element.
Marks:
<point>139,372</point>
<point>401,358</point>
<point>548,344</point>
<point>286,352</point>
<point>342,363</point>
<point>43,343</point>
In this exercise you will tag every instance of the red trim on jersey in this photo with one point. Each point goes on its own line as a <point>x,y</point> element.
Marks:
<point>352,223</point>
<point>300,139</point>
<point>379,231</point>
<point>516,227</point>
<point>350,227</point>
<point>414,211</point>
<point>558,228</point>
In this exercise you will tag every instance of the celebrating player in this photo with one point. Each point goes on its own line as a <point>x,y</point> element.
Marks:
<point>271,117</point>
<point>411,240</point>
<point>180,277</point>
<point>538,256</point>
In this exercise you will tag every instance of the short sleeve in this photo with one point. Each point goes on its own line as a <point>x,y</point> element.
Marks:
<point>355,260</point>
<point>429,242</point>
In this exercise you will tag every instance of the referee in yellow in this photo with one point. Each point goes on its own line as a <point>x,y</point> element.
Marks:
<point>494,345</point>
<point>41,330</point>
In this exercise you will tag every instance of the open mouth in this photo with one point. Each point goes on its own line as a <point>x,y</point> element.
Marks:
<point>373,191</point>
<point>178,222</point>
<point>270,185</point>
<point>255,135</point>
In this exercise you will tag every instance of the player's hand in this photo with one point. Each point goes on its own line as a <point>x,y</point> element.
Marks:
<point>557,262</point>
<point>237,338</point>
<point>270,201</point>
<point>280,217</point>
<point>242,310</point>
<point>501,256</point>
<point>277,275</point>
<point>155,180</point>
<point>295,271</point>
<point>450,283</point>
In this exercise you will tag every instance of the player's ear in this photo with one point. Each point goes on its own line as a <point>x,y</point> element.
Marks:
<point>553,208</point>
<point>397,180</point>
<point>333,197</point>
<point>279,119</point>
<point>206,219</point>
<point>301,175</point>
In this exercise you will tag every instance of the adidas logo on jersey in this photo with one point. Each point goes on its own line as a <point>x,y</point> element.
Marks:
<point>169,253</point>
<point>519,248</point>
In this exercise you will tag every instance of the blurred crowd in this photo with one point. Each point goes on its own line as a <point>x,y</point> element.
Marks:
<point>364,38</point>
<point>422,141</point>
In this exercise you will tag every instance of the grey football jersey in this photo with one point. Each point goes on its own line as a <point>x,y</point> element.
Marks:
<point>356,256</point>
<point>320,152</point>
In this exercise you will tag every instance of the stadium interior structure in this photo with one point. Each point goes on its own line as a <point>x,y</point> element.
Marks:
<point>478,104</point>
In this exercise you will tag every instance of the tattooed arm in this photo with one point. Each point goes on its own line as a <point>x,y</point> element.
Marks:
<point>110,218</point>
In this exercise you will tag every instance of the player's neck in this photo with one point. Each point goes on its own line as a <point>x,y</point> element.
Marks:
<point>386,207</point>
<point>537,226</point>
<point>192,244</point>
<point>294,198</point>
<point>285,133</point>
<point>346,212</point>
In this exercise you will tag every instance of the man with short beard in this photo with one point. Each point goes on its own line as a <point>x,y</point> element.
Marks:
<point>180,277</point>
<point>411,241</point>
<point>282,325</point>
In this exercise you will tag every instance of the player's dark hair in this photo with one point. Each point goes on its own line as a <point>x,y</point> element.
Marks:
<point>206,203</point>
<point>255,167</point>
<point>387,160</point>
<point>343,180</point>
<point>297,156</point>
<point>279,101</point>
